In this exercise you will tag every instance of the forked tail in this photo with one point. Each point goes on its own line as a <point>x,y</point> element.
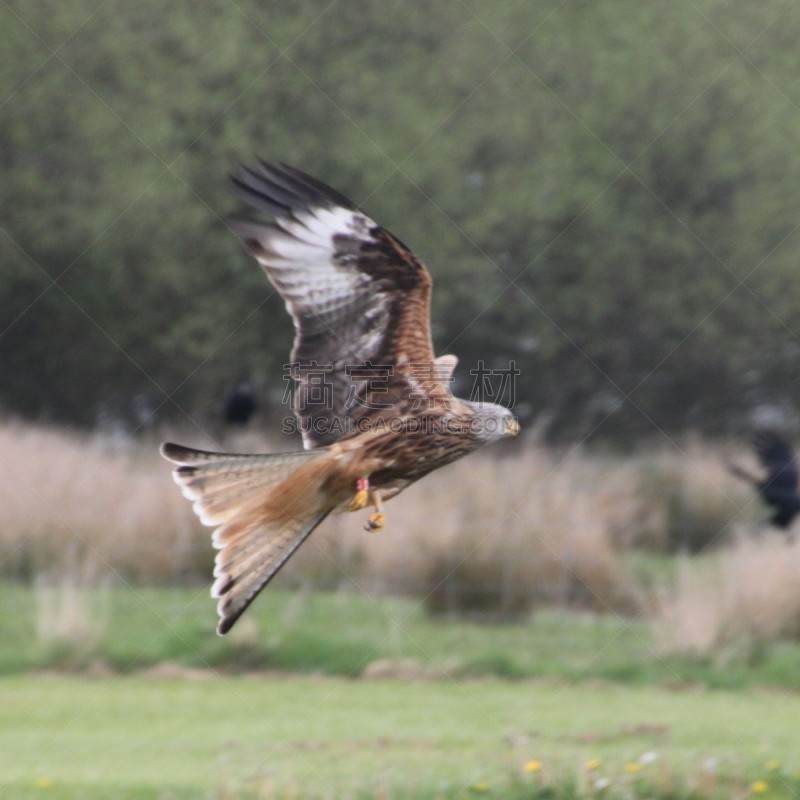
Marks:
<point>265,506</point>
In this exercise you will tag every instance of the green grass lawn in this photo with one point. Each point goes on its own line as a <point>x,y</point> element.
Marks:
<point>131,738</point>
<point>274,711</point>
<point>131,628</point>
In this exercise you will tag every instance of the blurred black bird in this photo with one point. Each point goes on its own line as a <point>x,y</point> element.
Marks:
<point>779,489</point>
<point>239,404</point>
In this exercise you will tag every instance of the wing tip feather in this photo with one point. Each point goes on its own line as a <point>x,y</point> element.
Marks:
<point>223,584</point>
<point>171,451</point>
<point>282,189</point>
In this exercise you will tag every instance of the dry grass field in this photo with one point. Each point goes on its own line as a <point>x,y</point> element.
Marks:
<point>656,616</point>
<point>666,534</point>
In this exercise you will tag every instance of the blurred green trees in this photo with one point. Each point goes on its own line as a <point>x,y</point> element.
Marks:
<point>606,193</point>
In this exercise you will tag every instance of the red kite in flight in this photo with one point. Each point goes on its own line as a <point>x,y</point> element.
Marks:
<point>371,399</point>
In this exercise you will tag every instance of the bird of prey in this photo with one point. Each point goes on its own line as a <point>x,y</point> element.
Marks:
<point>371,400</point>
<point>779,489</point>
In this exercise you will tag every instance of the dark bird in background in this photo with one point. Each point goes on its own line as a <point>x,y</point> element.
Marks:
<point>239,404</point>
<point>779,489</point>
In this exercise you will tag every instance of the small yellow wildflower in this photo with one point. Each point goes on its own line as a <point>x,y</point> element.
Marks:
<point>759,787</point>
<point>773,764</point>
<point>42,783</point>
<point>533,766</point>
<point>480,786</point>
<point>592,764</point>
<point>633,766</point>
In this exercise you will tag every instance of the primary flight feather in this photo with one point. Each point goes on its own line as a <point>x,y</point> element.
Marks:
<point>371,400</point>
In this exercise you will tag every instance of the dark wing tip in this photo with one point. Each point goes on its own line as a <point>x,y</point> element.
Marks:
<point>311,184</point>
<point>228,609</point>
<point>249,188</point>
<point>225,624</point>
<point>279,189</point>
<point>188,456</point>
<point>173,452</point>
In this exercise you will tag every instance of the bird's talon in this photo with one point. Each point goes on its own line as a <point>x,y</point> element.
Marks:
<point>375,522</point>
<point>360,500</point>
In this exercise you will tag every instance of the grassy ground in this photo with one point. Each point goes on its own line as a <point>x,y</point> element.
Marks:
<point>238,737</point>
<point>157,706</point>
<point>129,629</point>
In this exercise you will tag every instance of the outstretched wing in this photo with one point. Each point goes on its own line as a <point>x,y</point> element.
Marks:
<point>358,297</point>
<point>775,455</point>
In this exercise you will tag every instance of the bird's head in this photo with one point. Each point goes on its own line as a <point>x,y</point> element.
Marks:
<point>492,422</point>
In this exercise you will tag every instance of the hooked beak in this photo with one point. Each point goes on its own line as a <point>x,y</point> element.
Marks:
<point>512,426</point>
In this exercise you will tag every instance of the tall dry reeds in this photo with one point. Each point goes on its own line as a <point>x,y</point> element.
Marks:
<point>746,595</point>
<point>508,529</point>
<point>71,498</point>
<point>692,501</point>
<point>494,534</point>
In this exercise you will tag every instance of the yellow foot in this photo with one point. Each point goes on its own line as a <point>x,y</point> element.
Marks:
<point>360,500</point>
<point>375,522</point>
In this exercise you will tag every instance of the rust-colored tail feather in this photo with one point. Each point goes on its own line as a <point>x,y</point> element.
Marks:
<point>265,507</point>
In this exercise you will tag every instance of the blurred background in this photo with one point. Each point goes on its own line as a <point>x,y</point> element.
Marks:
<point>607,195</point>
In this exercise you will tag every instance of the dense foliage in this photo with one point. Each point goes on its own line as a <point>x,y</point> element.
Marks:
<point>605,193</point>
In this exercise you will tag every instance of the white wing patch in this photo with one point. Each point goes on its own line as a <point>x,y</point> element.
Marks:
<point>301,257</point>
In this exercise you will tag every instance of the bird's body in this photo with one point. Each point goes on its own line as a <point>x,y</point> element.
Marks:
<point>371,399</point>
